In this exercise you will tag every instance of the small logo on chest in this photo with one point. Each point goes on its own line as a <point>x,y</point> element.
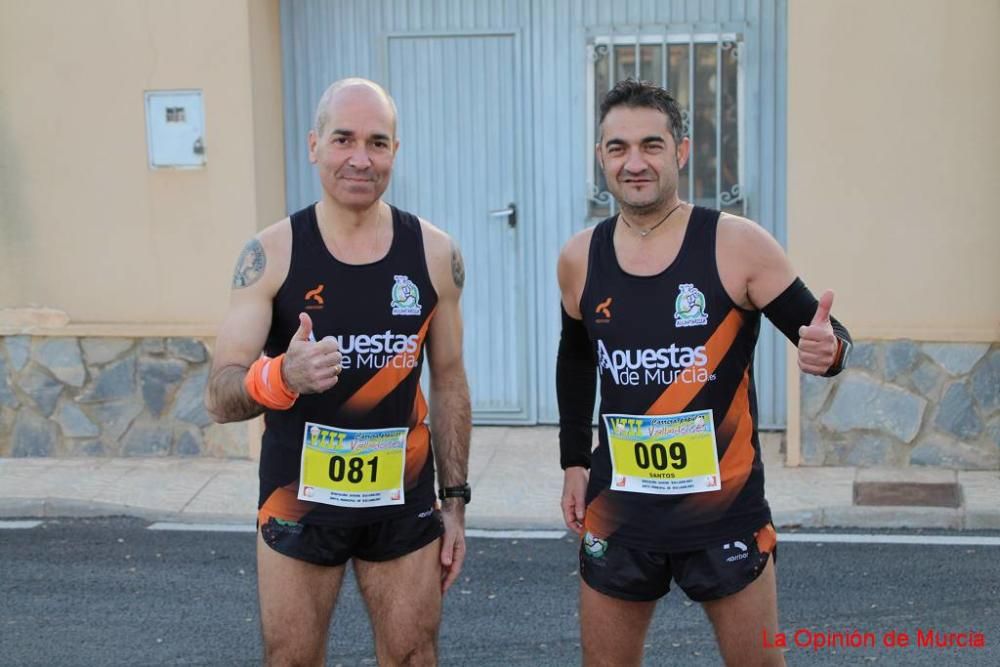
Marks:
<point>603,308</point>
<point>689,307</point>
<point>314,298</point>
<point>405,297</point>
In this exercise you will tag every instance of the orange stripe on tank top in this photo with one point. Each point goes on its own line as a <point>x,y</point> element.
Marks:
<point>283,503</point>
<point>735,464</point>
<point>739,406</point>
<point>734,468</point>
<point>679,395</point>
<point>388,378</point>
<point>601,517</point>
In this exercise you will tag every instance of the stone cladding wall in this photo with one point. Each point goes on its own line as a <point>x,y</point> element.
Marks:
<point>902,403</point>
<point>109,397</point>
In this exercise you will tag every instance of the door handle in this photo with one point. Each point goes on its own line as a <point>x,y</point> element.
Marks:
<point>510,213</point>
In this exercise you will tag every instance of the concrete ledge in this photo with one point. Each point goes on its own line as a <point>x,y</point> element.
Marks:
<point>26,319</point>
<point>892,517</point>
<point>516,485</point>
<point>977,520</point>
<point>514,523</point>
<point>797,518</point>
<point>909,494</point>
<point>54,325</point>
<point>912,475</point>
<point>42,508</point>
<point>11,508</point>
<point>248,518</point>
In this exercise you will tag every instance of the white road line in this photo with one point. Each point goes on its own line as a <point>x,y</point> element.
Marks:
<point>868,538</point>
<point>783,537</point>
<point>205,527</point>
<point>472,532</point>
<point>517,534</point>
<point>17,525</point>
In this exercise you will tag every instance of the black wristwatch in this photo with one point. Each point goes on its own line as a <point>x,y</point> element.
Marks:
<point>464,492</point>
<point>844,348</point>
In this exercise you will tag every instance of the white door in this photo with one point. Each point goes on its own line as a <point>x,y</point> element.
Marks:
<point>459,167</point>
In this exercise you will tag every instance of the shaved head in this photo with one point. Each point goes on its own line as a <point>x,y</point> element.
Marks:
<point>354,85</point>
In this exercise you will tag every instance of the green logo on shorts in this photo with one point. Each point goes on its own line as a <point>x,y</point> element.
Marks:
<point>594,546</point>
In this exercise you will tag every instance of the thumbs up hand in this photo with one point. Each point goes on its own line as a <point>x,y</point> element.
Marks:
<point>817,342</point>
<point>310,366</point>
<point>305,330</point>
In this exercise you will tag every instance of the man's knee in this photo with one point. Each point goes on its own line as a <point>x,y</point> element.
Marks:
<point>290,650</point>
<point>415,649</point>
<point>416,645</point>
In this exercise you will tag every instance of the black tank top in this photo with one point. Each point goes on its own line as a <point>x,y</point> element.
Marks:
<point>667,344</point>
<point>380,314</point>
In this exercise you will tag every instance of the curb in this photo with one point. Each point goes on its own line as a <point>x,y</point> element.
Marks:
<point>881,517</point>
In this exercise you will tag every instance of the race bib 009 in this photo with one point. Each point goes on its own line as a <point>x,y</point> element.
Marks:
<point>663,454</point>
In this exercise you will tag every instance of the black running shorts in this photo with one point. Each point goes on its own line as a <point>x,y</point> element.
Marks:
<point>709,574</point>
<point>328,545</point>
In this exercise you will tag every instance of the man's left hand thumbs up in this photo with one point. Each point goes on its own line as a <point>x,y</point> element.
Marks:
<point>822,315</point>
<point>817,343</point>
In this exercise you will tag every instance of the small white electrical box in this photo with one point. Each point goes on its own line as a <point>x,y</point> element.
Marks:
<point>175,125</point>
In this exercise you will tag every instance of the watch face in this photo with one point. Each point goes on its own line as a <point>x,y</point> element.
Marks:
<point>845,354</point>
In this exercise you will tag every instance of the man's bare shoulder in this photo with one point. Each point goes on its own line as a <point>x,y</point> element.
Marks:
<point>571,271</point>
<point>436,240</point>
<point>736,229</point>
<point>746,241</point>
<point>444,259</point>
<point>277,235</point>
<point>265,258</point>
<point>573,255</point>
<point>752,264</point>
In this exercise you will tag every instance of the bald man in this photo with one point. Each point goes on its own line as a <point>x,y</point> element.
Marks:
<point>331,311</point>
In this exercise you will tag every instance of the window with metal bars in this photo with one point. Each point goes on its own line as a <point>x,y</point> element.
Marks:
<point>704,74</point>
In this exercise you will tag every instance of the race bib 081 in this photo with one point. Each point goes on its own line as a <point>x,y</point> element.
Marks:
<point>352,468</point>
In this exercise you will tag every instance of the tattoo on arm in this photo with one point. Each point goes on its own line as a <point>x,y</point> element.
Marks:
<point>457,266</point>
<point>250,265</point>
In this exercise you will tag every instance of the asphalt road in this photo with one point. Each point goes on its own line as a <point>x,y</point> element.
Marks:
<point>111,592</point>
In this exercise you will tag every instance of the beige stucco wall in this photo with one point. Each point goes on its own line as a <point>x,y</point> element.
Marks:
<point>86,226</point>
<point>893,157</point>
<point>894,161</point>
<point>893,165</point>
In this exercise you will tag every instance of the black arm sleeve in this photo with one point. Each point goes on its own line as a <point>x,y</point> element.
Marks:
<point>576,389</point>
<point>795,308</point>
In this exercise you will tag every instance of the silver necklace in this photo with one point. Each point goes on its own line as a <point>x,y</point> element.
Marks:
<point>645,232</point>
<point>378,229</point>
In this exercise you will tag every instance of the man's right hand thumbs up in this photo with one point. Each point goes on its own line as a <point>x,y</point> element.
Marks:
<point>304,332</point>
<point>310,366</point>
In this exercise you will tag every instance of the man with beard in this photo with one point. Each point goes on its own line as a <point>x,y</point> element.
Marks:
<point>664,301</point>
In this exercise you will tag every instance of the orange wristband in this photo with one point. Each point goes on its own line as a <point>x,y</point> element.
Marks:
<point>265,385</point>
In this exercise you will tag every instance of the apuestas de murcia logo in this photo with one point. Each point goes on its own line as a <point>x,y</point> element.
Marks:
<point>664,365</point>
<point>378,350</point>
